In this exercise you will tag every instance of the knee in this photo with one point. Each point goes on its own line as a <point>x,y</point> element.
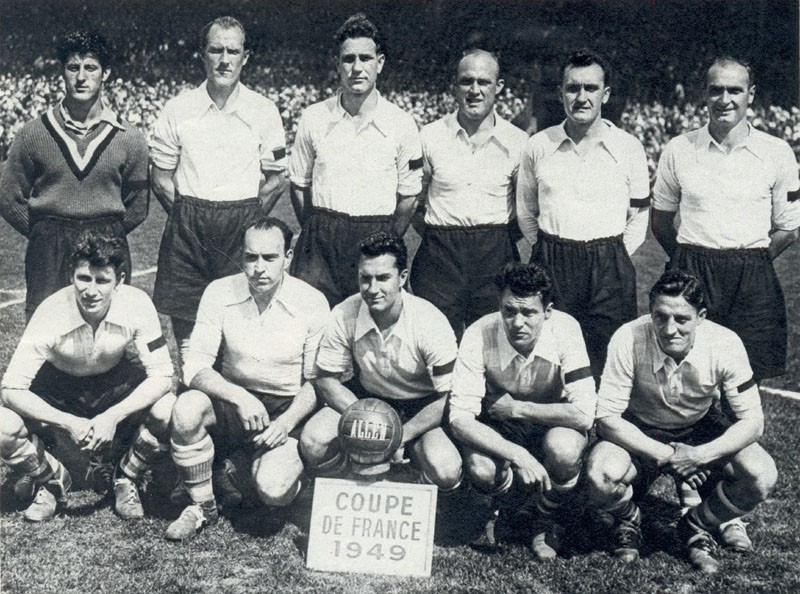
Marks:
<point>319,436</point>
<point>159,415</point>
<point>445,471</point>
<point>563,450</point>
<point>761,478</point>
<point>277,489</point>
<point>12,428</point>
<point>482,471</point>
<point>188,413</point>
<point>606,475</point>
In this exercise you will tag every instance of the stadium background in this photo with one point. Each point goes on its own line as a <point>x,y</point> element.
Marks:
<point>658,49</point>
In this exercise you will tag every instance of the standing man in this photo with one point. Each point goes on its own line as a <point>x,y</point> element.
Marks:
<point>76,166</point>
<point>656,413</point>
<point>582,192</point>
<point>402,350</point>
<point>356,167</point>
<point>523,401</point>
<point>736,189</point>
<point>93,365</point>
<point>471,159</point>
<point>268,326</point>
<point>219,154</point>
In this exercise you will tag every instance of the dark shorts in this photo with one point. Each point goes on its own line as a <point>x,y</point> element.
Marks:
<point>455,268</point>
<point>326,254</point>
<point>230,435</point>
<point>743,293</point>
<point>710,427</point>
<point>593,281</point>
<point>202,242</point>
<point>50,245</point>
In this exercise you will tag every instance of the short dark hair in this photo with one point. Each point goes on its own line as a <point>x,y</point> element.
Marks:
<point>357,26</point>
<point>380,243</point>
<point>82,43</point>
<point>99,250</point>
<point>226,22</point>
<point>679,283</point>
<point>264,223</point>
<point>525,280</point>
<point>729,59</point>
<point>586,57</point>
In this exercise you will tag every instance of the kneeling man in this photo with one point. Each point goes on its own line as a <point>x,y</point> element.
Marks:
<point>656,413</point>
<point>523,399</point>
<point>267,326</point>
<point>94,365</point>
<point>402,350</point>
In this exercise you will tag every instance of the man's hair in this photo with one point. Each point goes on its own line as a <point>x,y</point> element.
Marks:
<point>380,243</point>
<point>525,280</point>
<point>83,43</point>
<point>99,250</point>
<point>679,283</point>
<point>586,57</point>
<point>357,26</point>
<point>473,51</point>
<point>225,22</point>
<point>264,223</point>
<point>729,59</point>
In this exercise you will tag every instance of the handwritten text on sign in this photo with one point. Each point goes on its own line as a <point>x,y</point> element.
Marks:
<point>377,527</point>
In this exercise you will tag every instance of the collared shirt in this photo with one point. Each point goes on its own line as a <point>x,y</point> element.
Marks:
<point>357,166</point>
<point>728,200</point>
<point>413,361</point>
<point>271,352</point>
<point>83,128</point>
<point>219,154</point>
<point>641,378</point>
<point>57,333</point>
<point>583,197</point>
<point>470,185</point>
<point>557,370</point>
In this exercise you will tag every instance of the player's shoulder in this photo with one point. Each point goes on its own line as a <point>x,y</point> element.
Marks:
<point>255,100</point>
<point>423,310</point>
<point>684,141</point>
<point>437,127</point>
<point>772,145</point>
<point>634,332</point>
<point>718,335</point>
<point>305,294</point>
<point>132,294</point>
<point>321,109</point>
<point>348,309</point>
<point>547,138</point>
<point>395,116</point>
<point>509,132</point>
<point>625,138</point>
<point>562,324</point>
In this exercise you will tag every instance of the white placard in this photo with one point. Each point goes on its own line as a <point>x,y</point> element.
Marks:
<point>380,527</point>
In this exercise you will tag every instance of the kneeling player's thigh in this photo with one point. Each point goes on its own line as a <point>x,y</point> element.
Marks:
<point>484,471</point>
<point>437,455</point>
<point>161,411</point>
<point>276,471</point>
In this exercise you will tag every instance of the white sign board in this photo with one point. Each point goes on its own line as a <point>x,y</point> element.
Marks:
<point>379,527</point>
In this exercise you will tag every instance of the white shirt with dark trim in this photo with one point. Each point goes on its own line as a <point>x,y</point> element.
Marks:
<point>272,352</point>
<point>728,200</point>
<point>470,185</point>
<point>357,166</point>
<point>57,333</point>
<point>583,197</point>
<point>415,359</point>
<point>640,378</point>
<point>219,154</point>
<point>557,370</point>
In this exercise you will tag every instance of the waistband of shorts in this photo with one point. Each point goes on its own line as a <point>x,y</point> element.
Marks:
<point>468,228</point>
<point>335,214</point>
<point>76,223</point>
<point>759,253</point>
<point>218,204</point>
<point>614,239</point>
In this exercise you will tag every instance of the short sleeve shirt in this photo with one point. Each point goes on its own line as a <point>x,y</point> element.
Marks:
<point>413,361</point>
<point>728,200</point>
<point>219,154</point>
<point>557,370</point>
<point>641,379</point>
<point>59,335</point>
<point>271,352</point>
<point>469,185</point>
<point>357,168</point>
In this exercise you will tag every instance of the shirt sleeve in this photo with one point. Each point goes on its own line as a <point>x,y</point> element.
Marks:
<point>786,212</point>
<point>409,160</point>
<point>439,348</point>
<point>33,350</point>
<point>301,162</point>
<point>667,189</point>
<point>528,196</point>
<point>320,313</point>
<point>335,353</point>
<point>165,145</point>
<point>16,181</point>
<point>469,376</point>
<point>135,187</point>
<point>273,140</point>
<point>577,377</point>
<point>203,345</point>
<point>617,381</point>
<point>738,384</point>
<point>151,346</point>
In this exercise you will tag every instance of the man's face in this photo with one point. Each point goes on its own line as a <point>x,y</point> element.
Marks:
<point>477,84</point>
<point>728,93</point>
<point>224,56</point>
<point>523,318</point>
<point>380,281</point>
<point>359,65</point>
<point>583,93</point>
<point>675,322</point>
<point>83,78</point>
<point>94,288</point>
<point>264,260</point>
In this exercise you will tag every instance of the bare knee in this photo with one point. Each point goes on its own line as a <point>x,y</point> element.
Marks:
<point>563,453</point>
<point>483,471</point>
<point>277,487</point>
<point>159,415</point>
<point>440,460</point>
<point>758,475</point>
<point>12,429</point>
<point>318,439</point>
<point>189,414</point>
<point>608,473</point>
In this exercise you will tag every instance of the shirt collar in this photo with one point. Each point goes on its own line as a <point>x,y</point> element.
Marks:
<point>377,116</point>
<point>234,103</point>
<point>608,138</point>
<point>704,141</point>
<point>544,347</point>
<point>106,115</point>
<point>659,357</point>
<point>498,133</point>
<point>365,323</point>
<point>240,293</point>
